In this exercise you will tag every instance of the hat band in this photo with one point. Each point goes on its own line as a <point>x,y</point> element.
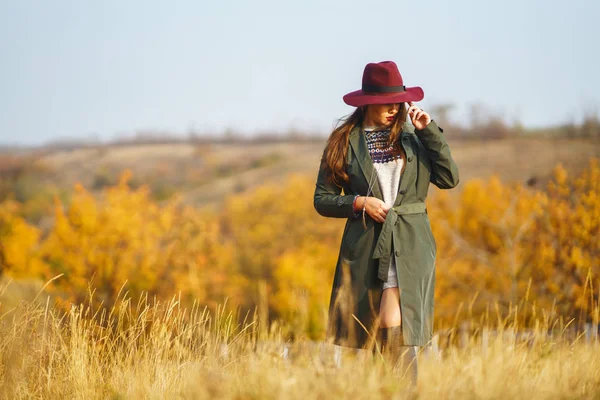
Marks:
<point>368,88</point>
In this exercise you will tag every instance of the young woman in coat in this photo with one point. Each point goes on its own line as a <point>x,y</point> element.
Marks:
<point>384,280</point>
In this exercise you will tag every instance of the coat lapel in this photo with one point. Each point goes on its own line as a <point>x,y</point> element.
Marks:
<point>359,146</point>
<point>408,167</point>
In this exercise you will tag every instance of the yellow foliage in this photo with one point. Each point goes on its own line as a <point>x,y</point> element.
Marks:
<point>500,238</point>
<point>18,243</point>
<point>497,244</point>
<point>303,276</point>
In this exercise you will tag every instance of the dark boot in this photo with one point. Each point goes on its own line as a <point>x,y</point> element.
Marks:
<point>403,359</point>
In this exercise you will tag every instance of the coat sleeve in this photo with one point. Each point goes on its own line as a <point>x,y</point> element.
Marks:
<point>444,171</point>
<point>328,200</point>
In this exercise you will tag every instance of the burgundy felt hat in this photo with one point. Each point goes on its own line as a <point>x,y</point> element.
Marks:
<point>383,84</point>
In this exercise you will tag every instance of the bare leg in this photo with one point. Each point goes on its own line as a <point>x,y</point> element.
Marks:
<point>389,310</point>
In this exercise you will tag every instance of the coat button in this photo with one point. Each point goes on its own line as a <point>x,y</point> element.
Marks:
<point>403,191</point>
<point>397,252</point>
<point>410,158</point>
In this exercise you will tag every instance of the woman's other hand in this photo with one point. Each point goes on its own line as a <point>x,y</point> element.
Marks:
<point>420,119</point>
<point>376,208</point>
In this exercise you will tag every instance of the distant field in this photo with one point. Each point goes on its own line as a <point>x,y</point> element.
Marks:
<point>207,172</point>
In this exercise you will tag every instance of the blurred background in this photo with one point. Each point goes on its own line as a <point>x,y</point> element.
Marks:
<point>172,149</point>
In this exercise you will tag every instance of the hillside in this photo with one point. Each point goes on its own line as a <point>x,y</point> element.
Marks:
<point>205,173</point>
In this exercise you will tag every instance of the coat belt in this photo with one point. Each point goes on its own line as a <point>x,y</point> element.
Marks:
<point>383,248</point>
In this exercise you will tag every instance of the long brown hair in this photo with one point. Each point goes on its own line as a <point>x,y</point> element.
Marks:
<point>336,150</point>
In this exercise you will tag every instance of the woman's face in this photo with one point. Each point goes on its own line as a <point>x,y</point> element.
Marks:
<point>381,115</point>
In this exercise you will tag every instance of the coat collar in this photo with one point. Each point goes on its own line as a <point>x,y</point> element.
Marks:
<point>359,146</point>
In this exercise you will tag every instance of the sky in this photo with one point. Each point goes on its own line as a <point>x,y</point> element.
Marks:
<point>102,70</point>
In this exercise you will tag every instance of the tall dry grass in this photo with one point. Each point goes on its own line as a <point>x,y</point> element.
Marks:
<point>153,349</point>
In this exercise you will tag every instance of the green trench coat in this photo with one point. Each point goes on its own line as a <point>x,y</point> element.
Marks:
<point>365,255</point>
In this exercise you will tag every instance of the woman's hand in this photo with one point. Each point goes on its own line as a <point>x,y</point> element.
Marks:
<point>420,119</point>
<point>376,208</point>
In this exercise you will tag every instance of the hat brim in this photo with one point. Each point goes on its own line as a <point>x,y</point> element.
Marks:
<point>359,98</point>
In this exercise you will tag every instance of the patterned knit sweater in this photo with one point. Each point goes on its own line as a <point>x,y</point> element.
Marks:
<point>387,165</point>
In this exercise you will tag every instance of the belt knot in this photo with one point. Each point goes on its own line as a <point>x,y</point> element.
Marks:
<point>383,248</point>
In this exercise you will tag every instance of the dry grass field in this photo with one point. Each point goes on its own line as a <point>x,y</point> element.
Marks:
<point>165,351</point>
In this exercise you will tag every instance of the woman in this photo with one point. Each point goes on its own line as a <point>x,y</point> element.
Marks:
<point>385,274</point>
